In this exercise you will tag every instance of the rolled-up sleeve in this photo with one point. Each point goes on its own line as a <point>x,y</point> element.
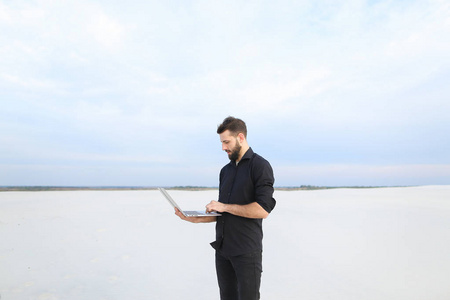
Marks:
<point>263,180</point>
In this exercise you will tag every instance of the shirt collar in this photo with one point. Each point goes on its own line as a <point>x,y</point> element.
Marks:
<point>247,155</point>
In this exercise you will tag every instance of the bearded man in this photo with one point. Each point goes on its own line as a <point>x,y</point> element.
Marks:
<point>245,199</point>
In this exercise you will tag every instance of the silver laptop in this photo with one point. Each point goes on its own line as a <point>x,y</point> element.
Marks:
<point>187,213</point>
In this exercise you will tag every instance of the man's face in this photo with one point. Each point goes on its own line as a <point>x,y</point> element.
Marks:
<point>231,145</point>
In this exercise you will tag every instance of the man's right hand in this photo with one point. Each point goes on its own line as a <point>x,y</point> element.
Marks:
<point>194,219</point>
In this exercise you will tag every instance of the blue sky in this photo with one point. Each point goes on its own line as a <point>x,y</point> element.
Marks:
<point>104,93</point>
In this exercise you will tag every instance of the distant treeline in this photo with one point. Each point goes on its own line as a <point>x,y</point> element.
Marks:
<point>190,188</point>
<point>71,188</point>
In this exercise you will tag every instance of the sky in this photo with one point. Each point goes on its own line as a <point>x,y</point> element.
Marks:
<point>334,93</point>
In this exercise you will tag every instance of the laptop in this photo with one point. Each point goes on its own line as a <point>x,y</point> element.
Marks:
<point>187,213</point>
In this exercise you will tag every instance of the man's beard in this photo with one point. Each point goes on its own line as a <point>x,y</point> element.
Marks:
<point>234,155</point>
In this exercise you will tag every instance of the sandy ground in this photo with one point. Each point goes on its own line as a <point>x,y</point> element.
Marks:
<point>351,244</point>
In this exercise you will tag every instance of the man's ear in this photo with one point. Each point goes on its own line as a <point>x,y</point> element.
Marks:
<point>241,137</point>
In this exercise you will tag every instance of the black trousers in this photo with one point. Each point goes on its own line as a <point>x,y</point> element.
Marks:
<point>239,277</point>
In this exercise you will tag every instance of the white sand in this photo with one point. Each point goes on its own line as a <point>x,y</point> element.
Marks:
<point>381,244</point>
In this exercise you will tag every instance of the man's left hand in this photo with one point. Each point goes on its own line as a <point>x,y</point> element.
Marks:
<point>215,206</point>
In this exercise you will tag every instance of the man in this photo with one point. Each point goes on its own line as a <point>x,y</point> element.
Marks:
<point>245,198</point>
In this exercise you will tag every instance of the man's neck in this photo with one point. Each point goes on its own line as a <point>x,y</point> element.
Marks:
<point>244,149</point>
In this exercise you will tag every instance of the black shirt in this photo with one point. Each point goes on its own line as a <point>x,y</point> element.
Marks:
<point>249,181</point>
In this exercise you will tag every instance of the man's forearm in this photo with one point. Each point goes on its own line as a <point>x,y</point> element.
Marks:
<point>205,219</point>
<point>252,210</point>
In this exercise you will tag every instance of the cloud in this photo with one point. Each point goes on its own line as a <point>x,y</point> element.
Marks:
<point>342,82</point>
<point>106,31</point>
<point>362,175</point>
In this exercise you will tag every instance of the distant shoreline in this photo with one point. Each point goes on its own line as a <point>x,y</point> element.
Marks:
<point>188,188</point>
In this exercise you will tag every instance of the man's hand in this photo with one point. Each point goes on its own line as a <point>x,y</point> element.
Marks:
<point>215,206</point>
<point>194,219</point>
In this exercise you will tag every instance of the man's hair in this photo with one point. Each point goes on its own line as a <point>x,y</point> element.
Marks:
<point>234,125</point>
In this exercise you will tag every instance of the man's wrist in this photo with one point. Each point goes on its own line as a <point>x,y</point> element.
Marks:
<point>225,207</point>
